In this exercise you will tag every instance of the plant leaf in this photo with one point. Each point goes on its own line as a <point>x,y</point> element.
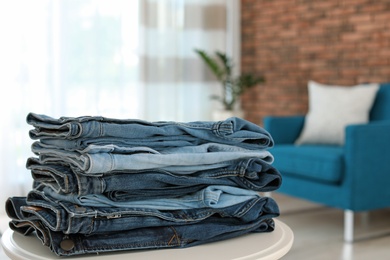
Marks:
<point>211,63</point>
<point>226,61</point>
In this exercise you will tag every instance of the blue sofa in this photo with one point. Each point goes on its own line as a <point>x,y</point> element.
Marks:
<point>354,177</point>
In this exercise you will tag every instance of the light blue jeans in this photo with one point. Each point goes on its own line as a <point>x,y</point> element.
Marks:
<point>111,158</point>
<point>232,131</point>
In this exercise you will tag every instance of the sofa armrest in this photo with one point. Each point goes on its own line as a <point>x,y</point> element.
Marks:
<point>284,129</point>
<point>367,156</point>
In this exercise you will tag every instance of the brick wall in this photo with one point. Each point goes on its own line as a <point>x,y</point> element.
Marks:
<point>341,42</point>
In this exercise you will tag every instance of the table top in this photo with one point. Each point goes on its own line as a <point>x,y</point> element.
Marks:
<point>271,245</point>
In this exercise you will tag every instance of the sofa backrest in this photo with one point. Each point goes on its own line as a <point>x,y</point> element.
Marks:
<point>381,107</point>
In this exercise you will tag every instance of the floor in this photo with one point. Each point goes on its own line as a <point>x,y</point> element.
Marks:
<point>318,232</point>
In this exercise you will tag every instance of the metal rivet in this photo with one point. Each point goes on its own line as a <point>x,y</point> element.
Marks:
<point>67,244</point>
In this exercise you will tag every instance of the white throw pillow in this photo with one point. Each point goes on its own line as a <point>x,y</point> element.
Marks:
<point>332,108</point>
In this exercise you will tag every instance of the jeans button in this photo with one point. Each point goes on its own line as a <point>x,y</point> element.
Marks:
<point>67,244</point>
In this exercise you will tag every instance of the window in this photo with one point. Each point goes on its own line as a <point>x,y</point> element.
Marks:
<point>119,58</point>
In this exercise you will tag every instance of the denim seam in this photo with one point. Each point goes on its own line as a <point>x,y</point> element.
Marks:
<point>220,128</point>
<point>76,130</point>
<point>132,246</point>
<point>175,236</point>
<point>57,225</point>
<point>103,184</point>
<point>242,211</point>
<point>187,125</point>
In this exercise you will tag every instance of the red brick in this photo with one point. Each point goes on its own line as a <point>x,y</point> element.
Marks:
<point>369,26</point>
<point>382,17</point>
<point>353,37</point>
<point>294,41</point>
<point>360,18</point>
<point>374,6</point>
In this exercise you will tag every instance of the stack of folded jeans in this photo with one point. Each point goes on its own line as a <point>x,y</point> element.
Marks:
<point>103,184</point>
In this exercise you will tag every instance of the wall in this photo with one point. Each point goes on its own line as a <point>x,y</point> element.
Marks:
<point>342,42</point>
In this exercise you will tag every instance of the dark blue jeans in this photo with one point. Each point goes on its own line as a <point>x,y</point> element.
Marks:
<point>70,218</point>
<point>252,173</point>
<point>160,237</point>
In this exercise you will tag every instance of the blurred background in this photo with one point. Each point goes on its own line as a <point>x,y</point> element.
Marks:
<point>121,59</point>
<point>136,59</point>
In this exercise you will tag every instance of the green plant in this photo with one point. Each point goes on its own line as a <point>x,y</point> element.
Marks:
<point>232,86</point>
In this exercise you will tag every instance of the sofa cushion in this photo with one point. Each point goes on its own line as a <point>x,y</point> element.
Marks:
<point>332,108</point>
<point>317,162</point>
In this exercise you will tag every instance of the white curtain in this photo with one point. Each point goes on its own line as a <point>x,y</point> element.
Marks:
<point>117,58</point>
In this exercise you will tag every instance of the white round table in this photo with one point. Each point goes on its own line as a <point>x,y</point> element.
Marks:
<point>273,245</point>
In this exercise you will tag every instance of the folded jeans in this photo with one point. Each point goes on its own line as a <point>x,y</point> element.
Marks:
<point>249,173</point>
<point>186,160</point>
<point>161,237</point>
<point>232,131</point>
<point>70,218</point>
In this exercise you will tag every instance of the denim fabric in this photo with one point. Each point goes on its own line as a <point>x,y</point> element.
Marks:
<point>70,218</point>
<point>102,159</point>
<point>60,178</point>
<point>162,237</point>
<point>209,197</point>
<point>232,131</point>
<point>156,142</point>
<point>13,207</point>
<point>103,185</point>
<point>252,173</point>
